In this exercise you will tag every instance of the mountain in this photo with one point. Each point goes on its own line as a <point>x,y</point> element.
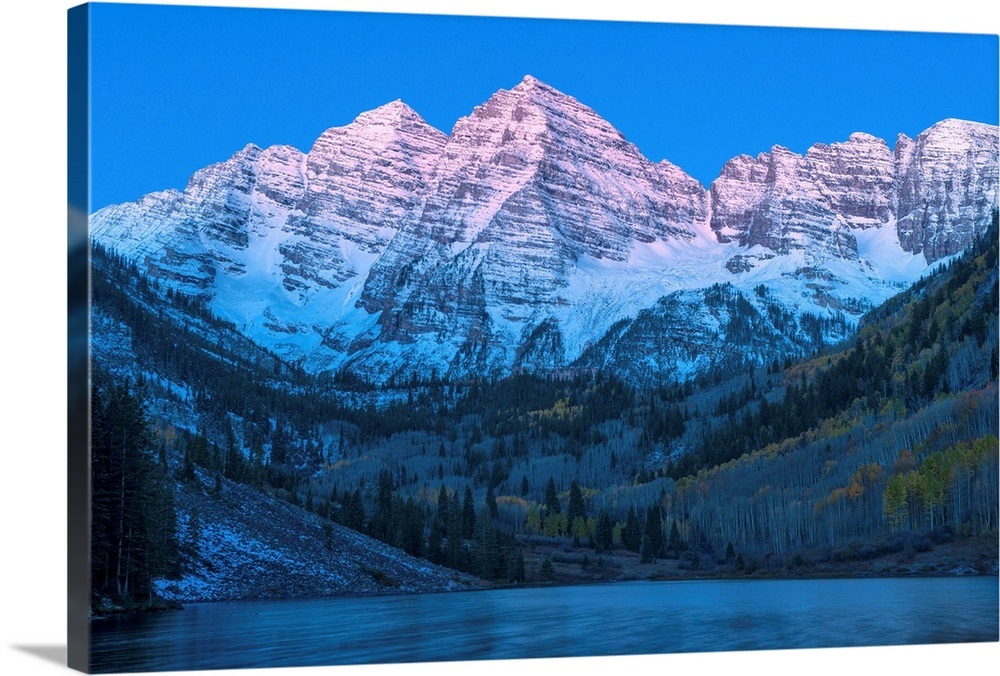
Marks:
<point>530,188</point>
<point>535,237</point>
<point>277,240</point>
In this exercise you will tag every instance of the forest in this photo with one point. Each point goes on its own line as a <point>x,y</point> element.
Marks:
<point>133,522</point>
<point>883,445</point>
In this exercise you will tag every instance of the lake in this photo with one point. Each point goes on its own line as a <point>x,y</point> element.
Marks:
<point>604,619</point>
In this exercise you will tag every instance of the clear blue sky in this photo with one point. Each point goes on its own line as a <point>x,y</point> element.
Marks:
<point>177,88</point>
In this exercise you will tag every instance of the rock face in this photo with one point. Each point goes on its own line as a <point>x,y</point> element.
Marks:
<point>946,180</point>
<point>528,185</point>
<point>361,183</point>
<point>855,179</point>
<point>523,237</point>
<point>778,202</point>
<point>277,240</point>
<point>669,338</point>
<point>938,189</point>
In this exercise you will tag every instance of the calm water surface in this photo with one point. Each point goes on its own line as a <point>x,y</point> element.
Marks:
<point>606,619</point>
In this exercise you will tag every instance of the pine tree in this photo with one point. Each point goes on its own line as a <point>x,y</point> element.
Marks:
<point>547,572</point>
<point>603,537</point>
<point>632,533</point>
<point>552,497</point>
<point>468,515</point>
<point>652,541</point>
<point>133,524</point>
<point>354,511</point>
<point>380,526</point>
<point>576,508</point>
<point>442,518</point>
<point>411,538</point>
<point>491,503</point>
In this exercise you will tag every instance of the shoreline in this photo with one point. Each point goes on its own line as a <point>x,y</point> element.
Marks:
<point>751,577</point>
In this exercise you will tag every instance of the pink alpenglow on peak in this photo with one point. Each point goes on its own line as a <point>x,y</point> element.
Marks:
<point>523,236</point>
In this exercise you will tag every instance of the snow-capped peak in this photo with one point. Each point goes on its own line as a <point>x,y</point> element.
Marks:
<point>519,239</point>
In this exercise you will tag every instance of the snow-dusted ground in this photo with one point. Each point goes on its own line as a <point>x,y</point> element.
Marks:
<point>242,544</point>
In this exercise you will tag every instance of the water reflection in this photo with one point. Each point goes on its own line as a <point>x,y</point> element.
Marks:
<point>624,618</point>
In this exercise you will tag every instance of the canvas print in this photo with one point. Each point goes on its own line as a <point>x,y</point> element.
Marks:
<point>424,338</point>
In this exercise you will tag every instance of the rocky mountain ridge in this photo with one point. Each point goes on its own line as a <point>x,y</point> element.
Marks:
<point>523,237</point>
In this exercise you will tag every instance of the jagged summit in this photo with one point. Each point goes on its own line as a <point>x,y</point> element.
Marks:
<point>958,123</point>
<point>394,113</point>
<point>527,100</point>
<point>530,84</point>
<point>954,129</point>
<point>520,239</point>
<point>535,105</point>
<point>947,178</point>
<point>531,88</point>
<point>863,137</point>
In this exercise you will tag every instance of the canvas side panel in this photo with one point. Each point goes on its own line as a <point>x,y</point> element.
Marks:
<point>78,319</point>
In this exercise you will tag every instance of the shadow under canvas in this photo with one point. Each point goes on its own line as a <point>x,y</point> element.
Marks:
<point>50,653</point>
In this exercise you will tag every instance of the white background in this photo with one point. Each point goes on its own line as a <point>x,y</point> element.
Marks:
<point>33,245</point>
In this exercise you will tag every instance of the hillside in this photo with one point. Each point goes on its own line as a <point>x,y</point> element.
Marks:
<point>896,432</point>
<point>239,543</point>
